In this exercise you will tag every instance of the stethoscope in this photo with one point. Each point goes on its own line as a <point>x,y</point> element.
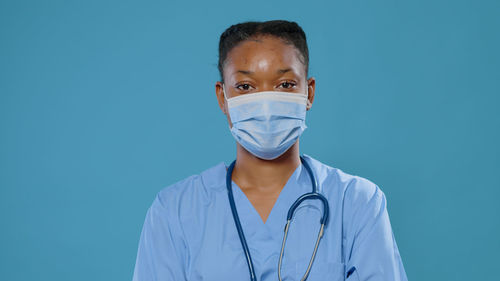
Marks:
<point>307,196</point>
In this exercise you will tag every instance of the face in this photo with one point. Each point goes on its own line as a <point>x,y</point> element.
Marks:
<point>261,64</point>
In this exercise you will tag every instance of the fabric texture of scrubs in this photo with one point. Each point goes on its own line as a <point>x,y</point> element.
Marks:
<point>189,232</point>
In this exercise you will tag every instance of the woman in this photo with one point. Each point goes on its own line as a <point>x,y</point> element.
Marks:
<point>227,223</point>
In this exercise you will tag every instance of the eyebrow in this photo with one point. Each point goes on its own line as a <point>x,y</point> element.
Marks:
<point>279,71</point>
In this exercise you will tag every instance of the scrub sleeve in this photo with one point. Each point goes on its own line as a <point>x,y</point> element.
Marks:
<point>161,248</point>
<point>373,253</point>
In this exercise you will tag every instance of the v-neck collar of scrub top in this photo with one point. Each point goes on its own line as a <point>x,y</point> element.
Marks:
<point>251,222</point>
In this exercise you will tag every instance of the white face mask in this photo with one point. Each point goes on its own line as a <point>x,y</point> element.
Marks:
<point>267,123</point>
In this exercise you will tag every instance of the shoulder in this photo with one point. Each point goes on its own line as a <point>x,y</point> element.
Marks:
<point>358,191</point>
<point>195,189</point>
<point>357,200</point>
<point>353,190</point>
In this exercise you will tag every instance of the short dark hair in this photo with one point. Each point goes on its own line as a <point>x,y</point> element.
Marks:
<point>290,32</point>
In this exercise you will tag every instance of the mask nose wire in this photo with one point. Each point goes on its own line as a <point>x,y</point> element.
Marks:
<point>307,94</point>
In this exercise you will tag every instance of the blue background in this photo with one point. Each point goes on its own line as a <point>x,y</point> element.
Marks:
<point>104,103</point>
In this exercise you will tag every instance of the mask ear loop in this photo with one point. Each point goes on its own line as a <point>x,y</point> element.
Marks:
<point>309,104</point>
<point>224,91</point>
<point>227,109</point>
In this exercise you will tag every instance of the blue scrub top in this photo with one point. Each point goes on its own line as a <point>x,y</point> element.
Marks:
<point>189,232</point>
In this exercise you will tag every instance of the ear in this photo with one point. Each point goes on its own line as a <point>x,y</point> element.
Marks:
<point>220,97</point>
<point>311,86</point>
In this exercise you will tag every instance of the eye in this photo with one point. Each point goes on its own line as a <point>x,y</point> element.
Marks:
<point>288,84</point>
<point>246,87</point>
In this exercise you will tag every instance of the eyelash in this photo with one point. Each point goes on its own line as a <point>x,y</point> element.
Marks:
<point>287,82</point>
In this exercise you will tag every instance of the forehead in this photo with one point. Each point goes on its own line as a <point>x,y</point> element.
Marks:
<point>263,55</point>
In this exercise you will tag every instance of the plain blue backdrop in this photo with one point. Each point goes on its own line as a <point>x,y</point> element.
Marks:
<point>104,103</point>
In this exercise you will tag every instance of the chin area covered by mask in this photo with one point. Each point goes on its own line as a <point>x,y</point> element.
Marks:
<point>267,123</point>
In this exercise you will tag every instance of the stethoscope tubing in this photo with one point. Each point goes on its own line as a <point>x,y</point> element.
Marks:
<point>237,221</point>
<point>307,196</point>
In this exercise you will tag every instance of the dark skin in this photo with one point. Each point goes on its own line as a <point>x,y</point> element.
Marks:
<point>254,66</point>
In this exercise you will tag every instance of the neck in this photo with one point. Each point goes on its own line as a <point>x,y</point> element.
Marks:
<point>251,172</point>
